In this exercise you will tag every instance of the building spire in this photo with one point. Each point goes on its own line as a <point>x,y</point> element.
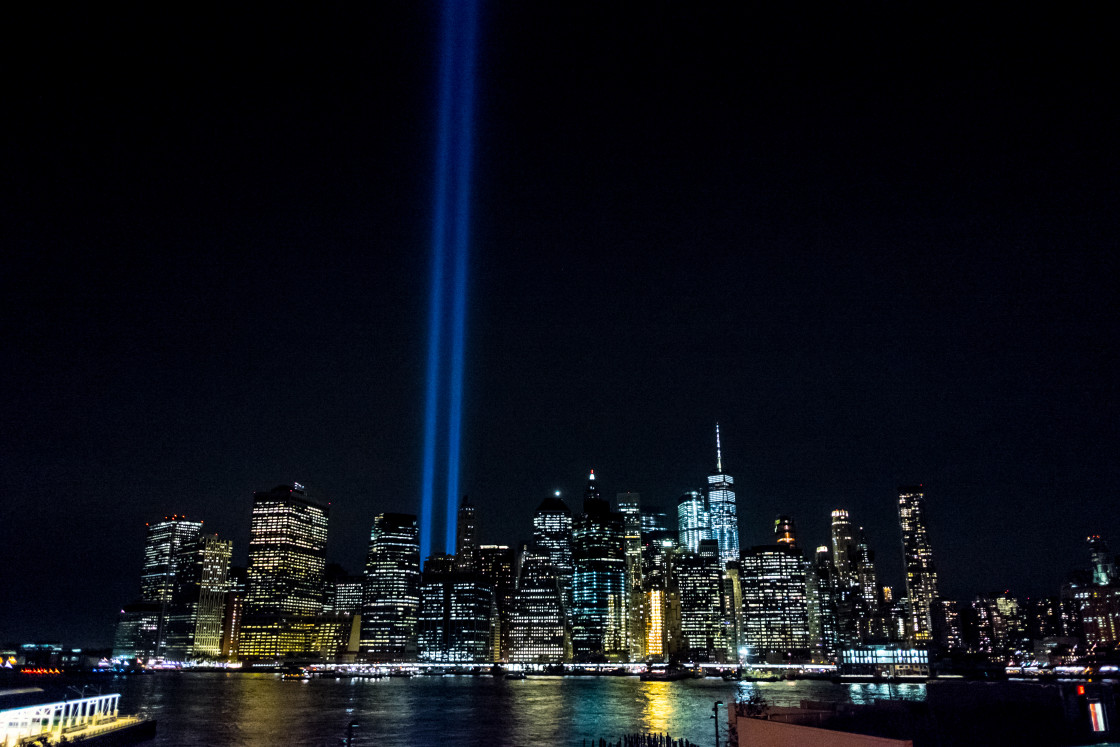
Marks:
<point>719,458</point>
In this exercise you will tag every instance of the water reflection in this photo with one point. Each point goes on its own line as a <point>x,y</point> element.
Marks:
<point>657,712</point>
<point>247,710</point>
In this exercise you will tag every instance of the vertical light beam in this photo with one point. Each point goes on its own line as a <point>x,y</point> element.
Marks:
<point>450,236</point>
<point>464,125</point>
<point>436,306</point>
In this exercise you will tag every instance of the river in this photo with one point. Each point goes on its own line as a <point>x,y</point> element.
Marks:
<point>261,709</point>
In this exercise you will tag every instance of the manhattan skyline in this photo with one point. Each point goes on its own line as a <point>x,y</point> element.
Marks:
<point>878,247</point>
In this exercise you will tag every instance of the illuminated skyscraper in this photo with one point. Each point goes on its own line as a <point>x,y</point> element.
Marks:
<point>455,613</point>
<point>162,556</point>
<point>287,559</point>
<point>391,600</point>
<point>466,537</point>
<point>917,556</point>
<point>843,549</point>
<point>820,595</point>
<point>194,619</point>
<point>1103,564</point>
<point>775,608</point>
<point>552,532</point>
<point>694,521</point>
<point>164,559</point>
<point>721,505</point>
<point>599,599</point>
<point>698,577</point>
<point>846,580</point>
<point>630,507</point>
<point>785,531</point>
<point>538,632</point>
<point>497,565</point>
<point>287,553</point>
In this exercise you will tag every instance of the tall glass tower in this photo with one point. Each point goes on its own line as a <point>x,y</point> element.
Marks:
<point>552,532</point>
<point>921,575</point>
<point>599,600</point>
<point>391,600</point>
<point>694,521</point>
<point>721,505</point>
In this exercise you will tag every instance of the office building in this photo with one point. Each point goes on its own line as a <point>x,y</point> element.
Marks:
<point>287,553</point>
<point>698,583</point>
<point>537,628</point>
<point>287,560</point>
<point>194,617</point>
<point>775,606</point>
<point>599,595</point>
<point>391,599</point>
<point>466,537</point>
<point>820,597</point>
<point>694,521</point>
<point>497,564</point>
<point>721,505</point>
<point>630,508</point>
<point>455,613</point>
<point>920,571</point>
<point>552,533</point>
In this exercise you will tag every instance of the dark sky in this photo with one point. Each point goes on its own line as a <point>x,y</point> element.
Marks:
<point>877,242</point>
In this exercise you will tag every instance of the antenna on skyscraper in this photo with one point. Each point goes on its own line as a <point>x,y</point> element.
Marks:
<point>719,458</point>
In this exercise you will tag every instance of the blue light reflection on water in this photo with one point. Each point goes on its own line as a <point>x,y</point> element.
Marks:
<point>260,709</point>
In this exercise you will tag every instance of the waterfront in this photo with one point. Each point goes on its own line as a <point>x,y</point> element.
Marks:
<point>261,709</point>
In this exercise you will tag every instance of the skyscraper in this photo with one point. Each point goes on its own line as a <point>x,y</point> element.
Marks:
<point>455,613</point>
<point>698,577</point>
<point>287,553</point>
<point>391,600</point>
<point>552,533</point>
<point>785,531</point>
<point>630,507</point>
<point>599,599</point>
<point>497,565</point>
<point>466,537</point>
<point>538,632</point>
<point>194,619</point>
<point>775,608</point>
<point>721,505</point>
<point>845,581</point>
<point>821,599</point>
<point>287,559</point>
<point>162,556</point>
<point>694,521</point>
<point>160,581</point>
<point>917,556</point>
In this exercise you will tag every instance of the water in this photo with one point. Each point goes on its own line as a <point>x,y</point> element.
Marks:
<point>260,709</point>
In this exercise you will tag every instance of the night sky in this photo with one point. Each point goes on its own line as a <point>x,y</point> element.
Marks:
<point>876,242</point>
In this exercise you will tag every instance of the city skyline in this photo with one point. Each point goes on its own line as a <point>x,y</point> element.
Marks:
<point>877,247</point>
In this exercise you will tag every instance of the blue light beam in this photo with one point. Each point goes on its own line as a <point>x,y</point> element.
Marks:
<point>450,229</point>
<point>465,129</point>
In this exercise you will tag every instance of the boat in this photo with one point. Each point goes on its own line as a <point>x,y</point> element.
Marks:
<point>295,673</point>
<point>515,675</point>
<point>665,675</point>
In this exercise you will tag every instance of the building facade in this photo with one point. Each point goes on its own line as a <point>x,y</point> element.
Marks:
<point>917,556</point>
<point>391,599</point>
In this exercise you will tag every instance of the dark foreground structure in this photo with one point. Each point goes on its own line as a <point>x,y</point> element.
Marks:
<point>954,712</point>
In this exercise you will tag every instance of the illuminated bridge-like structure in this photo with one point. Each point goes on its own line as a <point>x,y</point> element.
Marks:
<point>83,717</point>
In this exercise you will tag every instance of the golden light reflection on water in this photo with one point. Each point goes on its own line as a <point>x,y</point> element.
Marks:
<point>658,711</point>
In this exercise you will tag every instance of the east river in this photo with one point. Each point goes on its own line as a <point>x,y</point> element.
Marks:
<point>195,709</point>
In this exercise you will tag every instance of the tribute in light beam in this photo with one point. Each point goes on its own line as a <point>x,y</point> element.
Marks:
<point>450,253</point>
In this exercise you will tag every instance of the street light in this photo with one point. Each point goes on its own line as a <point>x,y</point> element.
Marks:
<point>715,716</point>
